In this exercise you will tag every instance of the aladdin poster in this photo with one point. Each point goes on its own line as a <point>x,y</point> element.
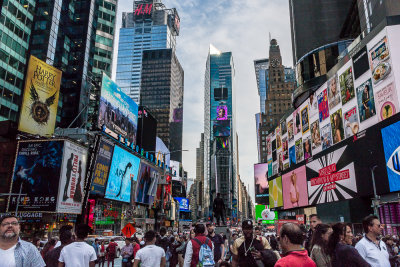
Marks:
<point>386,101</point>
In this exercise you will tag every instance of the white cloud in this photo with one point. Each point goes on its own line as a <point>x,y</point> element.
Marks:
<point>241,27</point>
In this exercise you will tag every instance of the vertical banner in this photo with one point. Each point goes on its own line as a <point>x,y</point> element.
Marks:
<point>40,101</point>
<point>70,194</point>
<point>102,167</point>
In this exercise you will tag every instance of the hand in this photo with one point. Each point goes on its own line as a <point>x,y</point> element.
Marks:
<point>220,260</point>
<point>256,254</point>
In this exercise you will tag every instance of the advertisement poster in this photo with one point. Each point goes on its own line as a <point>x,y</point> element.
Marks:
<point>295,188</point>
<point>274,168</point>
<point>386,102</point>
<point>275,193</point>
<point>391,147</point>
<point>146,183</point>
<point>283,127</point>
<point>183,203</point>
<point>222,142</point>
<point>72,181</point>
<point>292,155</point>
<point>278,137</point>
<point>222,127</point>
<point>269,168</point>
<point>299,150</point>
<point>360,62</point>
<point>124,170</point>
<point>274,150</point>
<point>307,147</point>
<point>351,125</point>
<point>346,85</point>
<point>365,100</point>
<point>265,215</point>
<point>40,101</point>
<point>323,106</point>
<point>285,148</point>
<point>313,108</point>
<point>261,182</point>
<point>36,174</point>
<point>118,113</point>
<point>337,126</point>
<point>101,167</point>
<point>269,146</point>
<point>333,92</point>
<point>305,125</point>
<point>290,130</point>
<point>280,162</point>
<point>297,121</point>
<point>222,113</point>
<point>379,60</point>
<point>315,135</point>
<point>331,177</point>
<point>326,136</point>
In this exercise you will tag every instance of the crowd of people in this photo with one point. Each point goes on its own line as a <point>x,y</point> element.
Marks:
<point>324,245</point>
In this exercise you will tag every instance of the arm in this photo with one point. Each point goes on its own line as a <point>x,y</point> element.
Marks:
<point>163,262</point>
<point>222,252</point>
<point>135,263</point>
<point>92,264</point>
<point>353,256</point>
<point>235,261</point>
<point>61,264</point>
<point>188,254</point>
<point>181,247</point>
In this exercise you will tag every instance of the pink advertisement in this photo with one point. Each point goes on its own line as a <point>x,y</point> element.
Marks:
<point>295,188</point>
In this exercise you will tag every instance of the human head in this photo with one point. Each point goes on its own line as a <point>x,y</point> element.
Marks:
<point>210,228</point>
<point>257,230</point>
<point>234,236</point>
<point>224,264</point>
<point>247,228</point>
<point>66,234</point>
<point>150,236</point>
<point>341,233</point>
<point>321,235</point>
<point>192,234</point>
<point>388,240</point>
<point>82,231</point>
<point>218,194</point>
<point>366,87</point>
<point>371,224</point>
<point>9,228</point>
<point>290,235</point>
<point>314,221</point>
<point>199,229</point>
<point>268,258</point>
<point>127,241</point>
<point>163,231</point>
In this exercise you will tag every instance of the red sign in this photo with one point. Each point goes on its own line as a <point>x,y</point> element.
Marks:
<point>331,178</point>
<point>111,213</point>
<point>143,9</point>
<point>327,170</point>
<point>128,230</point>
<point>300,219</point>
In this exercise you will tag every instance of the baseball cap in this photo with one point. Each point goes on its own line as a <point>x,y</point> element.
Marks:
<point>247,224</point>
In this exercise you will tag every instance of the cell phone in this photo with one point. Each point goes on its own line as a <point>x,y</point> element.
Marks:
<point>252,249</point>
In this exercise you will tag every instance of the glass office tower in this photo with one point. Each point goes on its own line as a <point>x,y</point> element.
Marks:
<point>261,67</point>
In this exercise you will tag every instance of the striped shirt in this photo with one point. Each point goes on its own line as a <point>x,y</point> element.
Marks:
<point>27,255</point>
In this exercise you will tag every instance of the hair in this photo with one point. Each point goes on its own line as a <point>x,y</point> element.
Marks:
<point>273,242</point>
<point>150,235</point>
<point>338,230</point>
<point>293,232</point>
<point>314,215</point>
<point>66,234</point>
<point>8,216</point>
<point>225,264</point>
<point>199,228</point>
<point>218,194</point>
<point>268,258</point>
<point>51,243</point>
<point>317,239</point>
<point>257,228</point>
<point>163,231</point>
<point>172,239</point>
<point>367,221</point>
<point>82,230</point>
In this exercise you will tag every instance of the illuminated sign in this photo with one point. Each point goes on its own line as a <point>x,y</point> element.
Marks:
<point>143,11</point>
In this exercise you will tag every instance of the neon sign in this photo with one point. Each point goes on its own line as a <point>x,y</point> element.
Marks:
<point>143,9</point>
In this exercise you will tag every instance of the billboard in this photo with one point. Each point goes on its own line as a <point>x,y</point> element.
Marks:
<point>365,100</point>
<point>72,181</point>
<point>386,102</point>
<point>146,184</point>
<point>40,101</point>
<point>351,125</point>
<point>275,192</point>
<point>36,174</point>
<point>175,165</point>
<point>124,169</point>
<point>118,113</point>
<point>337,126</point>
<point>162,152</point>
<point>294,185</point>
<point>261,182</point>
<point>183,203</point>
<point>101,167</point>
<point>222,127</point>
<point>147,130</point>
<point>264,214</point>
<point>391,147</point>
<point>221,113</point>
<point>333,92</point>
<point>323,106</point>
<point>346,85</point>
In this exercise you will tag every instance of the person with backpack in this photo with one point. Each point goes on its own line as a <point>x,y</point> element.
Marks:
<point>199,250</point>
<point>111,252</point>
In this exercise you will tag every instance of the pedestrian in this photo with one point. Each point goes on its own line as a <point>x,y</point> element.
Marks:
<point>218,242</point>
<point>393,257</point>
<point>246,249</point>
<point>268,258</point>
<point>102,254</point>
<point>51,257</point>
<point>136,246</point>
<point>95,245</point>
<point>36,243</point>
<point>111,252</point>
<point>151,255</point>
<point>219,209</point>
<point>126,253</point>
<point>163,240</point>
<point>174,244</point>
<point>181,250</point>
<point>340,248</point>
<point>373,250</point>
<point>48,247</point>
<point>194,246</point>
<point>319,245</point>
<point>13,250</point>
<point>294,255</point>
<point>78,253</point>
<point>314,221</point>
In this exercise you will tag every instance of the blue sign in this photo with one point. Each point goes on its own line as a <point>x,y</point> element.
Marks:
<point>101,167</point>
<point>183,203</point>
<point>124,170</point>
<point>391,146</point>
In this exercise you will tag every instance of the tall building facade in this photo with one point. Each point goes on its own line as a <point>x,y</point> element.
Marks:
<point>162,86</point>
<point>200,175</point>
<point>261,67</point>
<point>150,26</point>
<point>220,143</point>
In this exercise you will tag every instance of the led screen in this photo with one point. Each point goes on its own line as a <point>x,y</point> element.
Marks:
<point>295,188</point>
<point>222,127</point>
<point>391,146</point>
<point>222,113</point>
<point>261,182</point>
<point>275,192</point>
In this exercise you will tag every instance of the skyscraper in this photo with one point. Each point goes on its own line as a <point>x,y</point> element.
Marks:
<point>150,26</point>
<point>220,142</point>
<point>261,69</point>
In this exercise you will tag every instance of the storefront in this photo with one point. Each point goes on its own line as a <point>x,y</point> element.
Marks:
<point>107,217</point>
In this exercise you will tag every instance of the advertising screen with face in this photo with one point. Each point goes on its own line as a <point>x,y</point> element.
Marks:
<point>146,183</point>
<point>295,188</point>
<point>222,113</point>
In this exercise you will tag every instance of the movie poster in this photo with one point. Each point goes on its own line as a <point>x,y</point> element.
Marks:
<point>285,154</point>
<point>313,108</point>
<point>299,150</point>
<point>292,155</point>
<point>290,130</point>
<point>124,169</point>
<point>351,125</point>
<point>36,174</point>
<point>222,113</point>
<point>305,125</point>
<point>297,121</point>
<point>261,182</point>
<point>386,102</point>
<point>315,135</point>
<point>346,85</point>
<point>307,147</point>
<point>331,177</point>
<point>323,107</point>
<point>337,126</point>
<point>101,167</point>
<point>72,181</point>
<point>365,100</point>
<point>326,136</point>
<point>40,100</point>
<point>275,193</point>
<point>333,92</point>
<point>146,184</point>
<point>294,185</point>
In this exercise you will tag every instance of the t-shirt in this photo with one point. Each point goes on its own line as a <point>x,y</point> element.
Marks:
<point>150,256</point>
<point>376,256</point>
<point>217,241</point>
<point>240,247</point>
<point>77,254</point>
<point>7,257</point>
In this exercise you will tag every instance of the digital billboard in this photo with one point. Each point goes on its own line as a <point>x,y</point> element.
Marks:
<point>222,142</point>
<point>221,113</point>
<point>162,152</point>
<point>36,175</point>
<point>124,169</point>
<point>261,182</point>
<point>40,101</point>
<point>222,127</point>
<point>118,113</point>
<point>146,184</point>
<point>391,147</point>
<point>387,103</point>
<point>147,130</point>
<point>294,184</point>
<point>183,203</point>
<point>264,214</point>
<point>175,165</point>
<point>72,181</point>
<point>275,192</point>
<point>101,167</point>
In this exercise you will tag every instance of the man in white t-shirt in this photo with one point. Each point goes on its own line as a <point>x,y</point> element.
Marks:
<point>78,253</point>
<point>151,255</point>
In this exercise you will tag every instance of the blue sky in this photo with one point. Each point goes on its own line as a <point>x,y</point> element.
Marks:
<point>241,27</point>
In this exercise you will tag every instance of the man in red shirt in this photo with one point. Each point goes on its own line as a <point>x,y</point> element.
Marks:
<point>291,240</point>
<point>193,247</point>
<point>111,252</point>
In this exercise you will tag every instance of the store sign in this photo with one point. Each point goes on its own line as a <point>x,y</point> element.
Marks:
<point>143,9</point>
<point>111,213</point>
